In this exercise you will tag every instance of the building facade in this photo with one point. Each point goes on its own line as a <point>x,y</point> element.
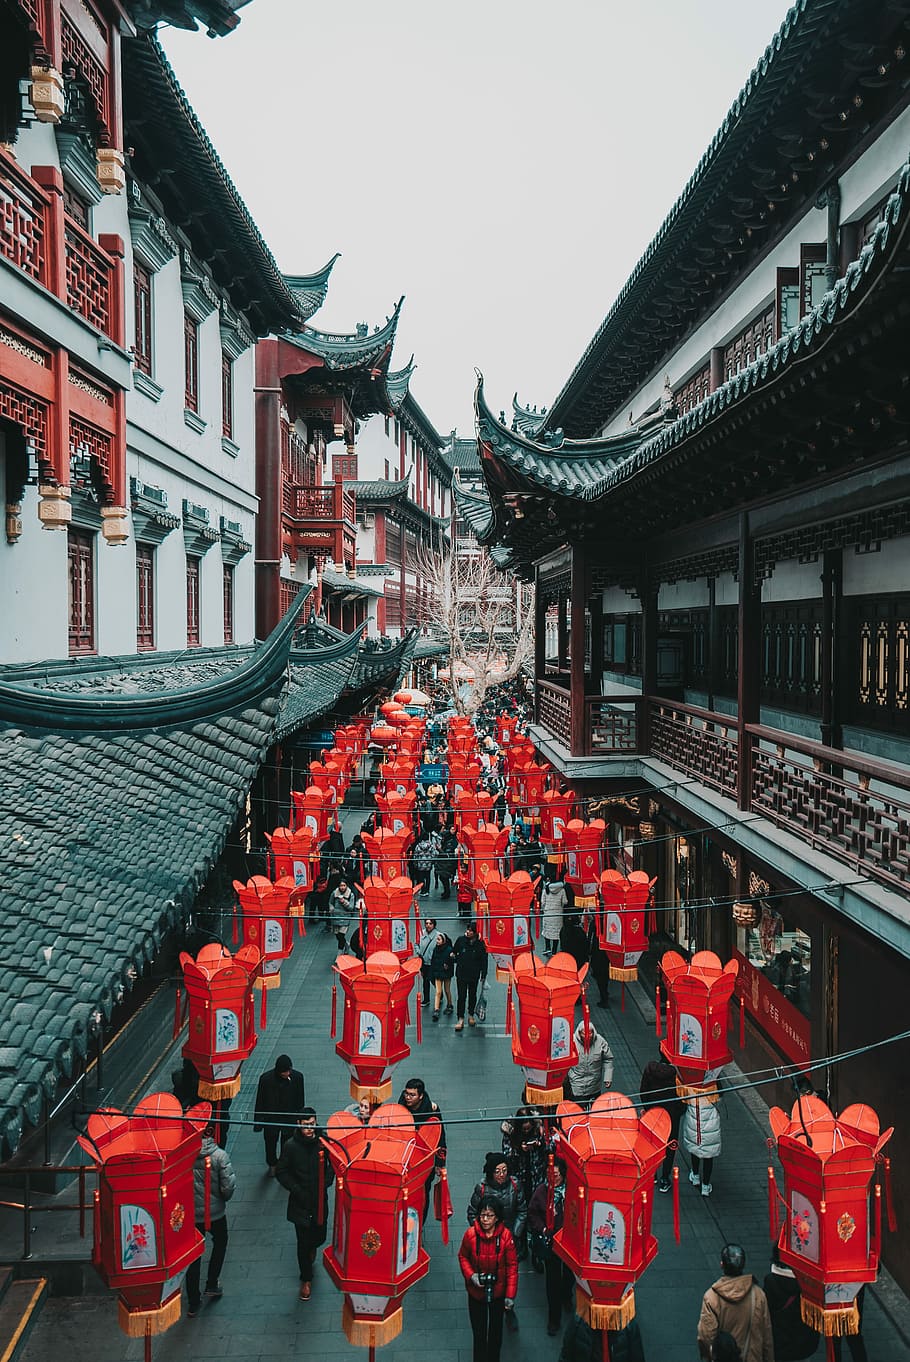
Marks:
<point>714,512</point>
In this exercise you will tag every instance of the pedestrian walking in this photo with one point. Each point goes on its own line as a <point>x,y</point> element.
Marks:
<point>343,911</point>
<point>572,939</point>
<point>581,1343</point>
<point>279,1097</point>
<point>500,1186</point>
<point>424,952</point>
<point>558,1277</point>
<point>793,1338</point>
<point>415,1099</point>
<point>447,862</point>
<point>592,1074</point>
<point>490,1269</point>
<point>307,1174</point>
<point>213,1187</point>
<point>553,902</point>
<point>658,1089</point>
<point>526,1149</point>
<point>442,967</point>
<point>422,863</point>
<point>736,1304</point>
<point>469,956</point>
<point>700,1133</point>
<point>332,858</point>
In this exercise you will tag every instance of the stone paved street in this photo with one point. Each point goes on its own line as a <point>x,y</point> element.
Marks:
<point>472,1077</point>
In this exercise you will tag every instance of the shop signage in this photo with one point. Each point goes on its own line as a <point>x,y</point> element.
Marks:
<point>783,1023</point>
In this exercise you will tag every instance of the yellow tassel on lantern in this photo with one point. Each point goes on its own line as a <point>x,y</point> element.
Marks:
<point>367,1333</point>
<point>605,1316</point>
<point>831,1323</point>
<point>268,981</point>
<point>382,1093</point>
<point>624,975</point>
<point>215,1092</point>
<point>139,1323</point>
<point>543,1097</point>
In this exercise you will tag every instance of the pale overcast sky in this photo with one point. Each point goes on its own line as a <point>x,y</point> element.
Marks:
<point>502,163</point>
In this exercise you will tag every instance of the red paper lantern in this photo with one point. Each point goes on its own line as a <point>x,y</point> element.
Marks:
<point>543,1040</point>
<point>622,921</point>
<point>399,776</point>
<point>518,754</point>
<point>505,729</point>
<point>556,810</point>
<point>472,810</point>
<point>388,852</point>
<point>145,1228</point>
<point>505,923</point>
<point>376,992</point>
<point>585,852</point>
<point>267,923</point>
<point>330,776</point>
<point>611,1155</point>
<point>351,738</point>
<point>388,905</point>
<point>529,781</point>
<point>464,776</point>
<point>222,1032</point>
<point>698,1008</point>
<point>313,809</point>
<point>397,809</point>
<point>376,1252</point>
<point>384,735</point>
<point>295,855</point>
<point>831,1236</point>
<point>485,846</point>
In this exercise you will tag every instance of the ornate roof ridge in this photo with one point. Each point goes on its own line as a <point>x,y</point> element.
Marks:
<point>347,350</point>
<point>527,420</point>
<point>475,506</point>
<point>218,16</point>
<point>310,290</point>
<point>65,712</point>
<point>329,652</point>
<point>378,488</point>
<point>397,384</point>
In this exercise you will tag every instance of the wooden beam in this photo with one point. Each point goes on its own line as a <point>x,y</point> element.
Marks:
<point>748,693</point>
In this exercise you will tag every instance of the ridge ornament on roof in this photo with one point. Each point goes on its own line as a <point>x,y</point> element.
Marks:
<point>344,350</point>
<point>310,290</point>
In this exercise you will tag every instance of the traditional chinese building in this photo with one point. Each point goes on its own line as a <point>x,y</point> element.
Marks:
<point>715,514</point>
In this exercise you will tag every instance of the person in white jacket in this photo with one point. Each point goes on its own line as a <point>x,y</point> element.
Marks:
<point>700,1132</point>
<point>424,951</point>
<point>593,1073</point>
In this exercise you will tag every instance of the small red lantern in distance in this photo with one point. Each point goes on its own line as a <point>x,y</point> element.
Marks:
<point>506,922</point>
<point>267,923</point>
<point>543,1039</point>
<point>505,729</point>
<point>698,1008</point>
<point>611,1155</point>
<point>376,1253</point>
<point>831,1236</point>
<point>314,809</point>
<point>531,779</point>
<point>388,906</point>
<point>388,851</point>
<point>145,1227</point>
<point>584,847</point>
<point>397,809</point>
<point>376,992</point>
<point>222,1032</point>
<point>621,923</point>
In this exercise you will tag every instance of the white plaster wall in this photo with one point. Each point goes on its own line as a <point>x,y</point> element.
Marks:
<point>374,447</point>
<point>33,573</point>
<point>683,595</point>
<point>115,597</point>
<point>366,542</point>
<point>793,581</point>
<point>619,602</point>
<point>863,185</point>
<point>887,570</point>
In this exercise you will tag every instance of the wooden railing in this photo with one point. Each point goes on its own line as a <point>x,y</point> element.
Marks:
<point>23,221</point>
<point>89,278</point>
<point>554,711</point>
<point>698,741</point>
<point>611,724</point>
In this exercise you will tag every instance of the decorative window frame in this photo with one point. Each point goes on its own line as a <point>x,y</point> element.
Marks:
<point>152,521</point>
<point>198,534</point>
<point>78,166</point>
<point>233,545</point>
<point>199,296</point>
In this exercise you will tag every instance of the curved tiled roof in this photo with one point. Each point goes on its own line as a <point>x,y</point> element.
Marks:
<point>310,290</point>
<point>346,350</point>
<point>379,489</point>
<point>109,828</point>
<point>318,675</point>
<point>396,384</point>
<point>475,507</point>
<point>218,17</point>
<point>527,420</point>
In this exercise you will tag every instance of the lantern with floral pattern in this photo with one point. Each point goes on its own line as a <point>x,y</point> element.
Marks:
<point>388,851</point>
<point>543,1026</point>
<point>506,726</point>
<point>505,921</point>
<point>698,1008</point>
<point>376,992</point>
<point>472,810</point>
<point>485,847</point>
<point>399,776</point>
<point>294,855</point>
<point>464,776</point>
<point>396,809</point>
<point>388,905</point>
<point>222,1031</point>
<point>313,809</point>
<point>528,781</point>
<point>556,810</point>
<point>267,922</point>
<point>622,921</point>
<point>585,854</point>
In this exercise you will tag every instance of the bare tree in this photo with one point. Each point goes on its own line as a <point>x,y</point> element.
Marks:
<point>486,616</point>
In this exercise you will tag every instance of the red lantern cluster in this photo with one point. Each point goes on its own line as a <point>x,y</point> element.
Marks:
<point>222,1032</point>
<point>485,846</point>
<point>611,1155</point>
<point>145,1227</point>
<point>543,1026</point>
<point>376,993</point>
<point>698,1011</point>
<point>831,1236</point>
<point>376,1252</point>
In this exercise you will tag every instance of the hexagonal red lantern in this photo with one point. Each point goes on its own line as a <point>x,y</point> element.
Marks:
<point>222,1033</point>
<point>528,781</point>
<point>330,776</point>
<point>267,923</point>
<point>585,853</point>
<point>397,809</point>
<point>294,855</point>
<point>622,921</point>
<point>145,1229</point>
<point>384,735</point>
<point>505,729</point>
<point>698,1008</point>
<point>398,776</point>
<point>313,809</point>
<point>472,810</point>
<point>376,992</point>
<point>518,754</point>
<point>505,921</point>
<point>388,905</point>
<point>556,810</point>
<point>611,1155</point>
<point>543,1040</point>
<point>376,1253</point>
<point>464,776</point>
<point>485,847</point>
<point>831,1236</point>
<point>388,851</point>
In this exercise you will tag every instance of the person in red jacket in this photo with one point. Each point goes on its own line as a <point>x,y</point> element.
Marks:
<point>489,1264</point>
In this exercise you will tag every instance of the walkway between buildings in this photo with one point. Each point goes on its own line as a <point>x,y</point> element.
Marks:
<point>472,1077</point>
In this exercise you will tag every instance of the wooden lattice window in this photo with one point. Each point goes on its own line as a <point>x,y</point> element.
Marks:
<point>192,602</point>
<point>693,391</point>
<point>228,597</point>
<point>791,665</point>
<point>191,362</point>
<point>142,296</point>
<point>227,397</point>
<point>81,561</point>
<point>878,643</point>
<point>145,597</point>
<point>751,342</point>
<point>288,594</point>
<point>344,466</point>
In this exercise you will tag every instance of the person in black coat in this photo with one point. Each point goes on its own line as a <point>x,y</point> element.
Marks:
<point>572,939</point>
<point>415,1099</point>
<point>307,1174</point>
<point>332,861</point>
<point>280,1098</point>
<point>793,1339</point>
<point>470,957</point>
<point>581,1343</point>
<point>599,965</point>
<point>658,1089</point>
<point>447,862</point>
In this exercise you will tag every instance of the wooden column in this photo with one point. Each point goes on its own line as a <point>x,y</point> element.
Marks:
<point>561,632</point>
<point>540,642</point>
<point>578,602</point>
<point>832,593</point>
<point>268,489</point>
<point>748,681</point>
<point>647,594</point>
<point>713,642</point>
